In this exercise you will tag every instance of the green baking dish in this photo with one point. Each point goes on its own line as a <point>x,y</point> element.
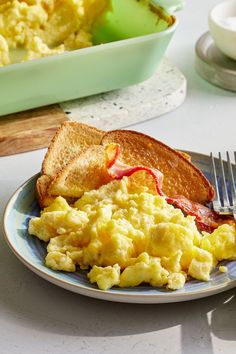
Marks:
<point>128,46</point>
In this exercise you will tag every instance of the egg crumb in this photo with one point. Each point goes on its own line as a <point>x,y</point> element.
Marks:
<point>145,270</point>
<point>223,269</point>
<point>176,281</point>
<point>221,242</point>
<point>58,261</point>
<point>105,277</point>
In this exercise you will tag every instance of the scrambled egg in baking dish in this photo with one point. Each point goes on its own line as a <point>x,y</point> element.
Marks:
<point>126,236</point>
<point>46,27</point>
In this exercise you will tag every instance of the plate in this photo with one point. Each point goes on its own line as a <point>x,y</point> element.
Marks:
<point>31,251</point>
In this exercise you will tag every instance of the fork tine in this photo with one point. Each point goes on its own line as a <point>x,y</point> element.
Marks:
<point>225,198</point>
<point>231,179</point>
<point>214,178</point>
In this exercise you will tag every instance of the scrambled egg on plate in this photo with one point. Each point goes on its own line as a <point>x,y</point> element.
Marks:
<point>44,27</point>
<point>127,236</point>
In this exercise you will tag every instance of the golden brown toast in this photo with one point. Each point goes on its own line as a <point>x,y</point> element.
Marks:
<point>85,172</point>
<point>70,140</point>
<point>181,177</point>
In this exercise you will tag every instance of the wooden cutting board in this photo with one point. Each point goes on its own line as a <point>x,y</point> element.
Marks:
<point>30,130</point>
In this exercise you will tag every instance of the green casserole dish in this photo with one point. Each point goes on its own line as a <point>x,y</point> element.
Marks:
<point>129,43</point>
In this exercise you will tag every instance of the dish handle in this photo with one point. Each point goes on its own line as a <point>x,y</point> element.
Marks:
<point>170,6</point>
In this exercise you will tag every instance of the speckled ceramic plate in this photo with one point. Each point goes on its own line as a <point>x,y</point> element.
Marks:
<point>31,251</point>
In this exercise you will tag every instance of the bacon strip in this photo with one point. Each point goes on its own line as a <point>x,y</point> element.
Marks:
<point>206,218</point>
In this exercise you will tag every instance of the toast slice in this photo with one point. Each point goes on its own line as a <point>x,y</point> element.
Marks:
<point>69,141</point>
<point>181,177</point>
<point>85,172</point>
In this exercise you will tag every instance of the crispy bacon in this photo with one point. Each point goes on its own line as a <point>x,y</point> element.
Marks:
<point>205,218</point>
<point>192,208</point>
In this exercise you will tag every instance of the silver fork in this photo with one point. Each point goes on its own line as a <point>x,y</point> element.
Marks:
<point>223,180</point>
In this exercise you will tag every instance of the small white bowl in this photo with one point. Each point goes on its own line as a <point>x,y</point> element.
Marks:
<point>222,26</point>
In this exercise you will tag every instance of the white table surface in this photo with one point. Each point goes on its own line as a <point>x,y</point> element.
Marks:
<point>38,317</point>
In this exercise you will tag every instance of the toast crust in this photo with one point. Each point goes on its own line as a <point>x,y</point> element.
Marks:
<point>181,176</point>
<point>44,199</point>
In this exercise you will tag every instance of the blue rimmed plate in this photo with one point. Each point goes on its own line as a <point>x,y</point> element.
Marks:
<point>31,251</point>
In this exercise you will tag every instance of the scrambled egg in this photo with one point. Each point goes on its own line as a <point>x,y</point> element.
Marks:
<point>126,237</point>
<point>46,27</point>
